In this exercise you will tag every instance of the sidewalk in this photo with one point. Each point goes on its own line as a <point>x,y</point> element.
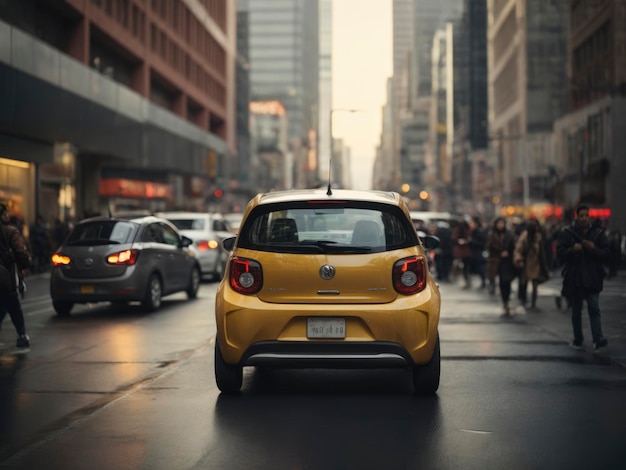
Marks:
<point>558,321</point>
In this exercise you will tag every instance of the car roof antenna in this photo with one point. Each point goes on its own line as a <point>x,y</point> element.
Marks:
<point>329,191</point>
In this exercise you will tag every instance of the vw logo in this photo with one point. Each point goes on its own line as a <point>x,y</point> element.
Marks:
<point>89,262</point>
<point>327,272</point>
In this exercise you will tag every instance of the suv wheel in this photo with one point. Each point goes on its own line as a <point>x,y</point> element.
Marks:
<point>154,292</point>
<point>194,283</point>
<point>229,378</point>
<point>63,309</point>
<point>426,377</point>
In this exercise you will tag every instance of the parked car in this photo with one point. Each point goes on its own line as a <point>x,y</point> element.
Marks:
<point>109,259</point>
<point>318,280</point>
<point>207,230</point>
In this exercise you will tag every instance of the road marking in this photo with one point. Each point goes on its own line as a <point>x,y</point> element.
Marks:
<point>475,431</point>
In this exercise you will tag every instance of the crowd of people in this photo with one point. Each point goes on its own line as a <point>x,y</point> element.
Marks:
<point>526,253</point>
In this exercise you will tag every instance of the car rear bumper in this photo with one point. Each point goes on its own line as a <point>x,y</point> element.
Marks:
<point>121,288</point>
<point>319,354</point>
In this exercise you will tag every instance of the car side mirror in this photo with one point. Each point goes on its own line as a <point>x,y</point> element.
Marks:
<point>229,243</point>
<point>186,241</point>
<point>430,242</point>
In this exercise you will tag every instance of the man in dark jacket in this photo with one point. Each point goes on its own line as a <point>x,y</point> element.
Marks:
<point>583,249</point>
<point>15,259</point>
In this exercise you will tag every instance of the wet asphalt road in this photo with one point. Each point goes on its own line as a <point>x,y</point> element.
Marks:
<point>122,389</point>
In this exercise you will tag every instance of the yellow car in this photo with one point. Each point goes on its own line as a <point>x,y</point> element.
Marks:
<point>328,279</point>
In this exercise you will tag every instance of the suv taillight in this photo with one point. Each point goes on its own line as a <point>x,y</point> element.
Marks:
<point>245,276</point>
<point>409,275</point>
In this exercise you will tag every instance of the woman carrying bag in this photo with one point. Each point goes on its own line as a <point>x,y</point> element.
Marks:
<point>530,259</point>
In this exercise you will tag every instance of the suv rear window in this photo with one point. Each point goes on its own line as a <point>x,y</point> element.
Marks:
<point>330,228</point>
<point>103,232</point>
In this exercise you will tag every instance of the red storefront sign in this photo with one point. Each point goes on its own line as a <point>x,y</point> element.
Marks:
<point>120,187</point>
<point>600,213</point>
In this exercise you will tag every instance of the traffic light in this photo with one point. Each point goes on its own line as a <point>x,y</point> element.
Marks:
<point>218,193</point>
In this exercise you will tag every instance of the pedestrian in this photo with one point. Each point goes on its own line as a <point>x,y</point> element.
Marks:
<point>501,241</point>
<point>494,253</point>
<point>461,250</point>
<point>583,249</point>
<point>60,232</point>
<point>40,244</point>
<point>530,259</point>
<point>478,246</point>
<point>15,259</point>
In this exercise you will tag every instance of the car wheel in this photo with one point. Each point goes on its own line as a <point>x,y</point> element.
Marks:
<point>426,377</point>
<point>63,309</point>
<point>154,292</point>
<point>229,378</point>
<point>194,283</point>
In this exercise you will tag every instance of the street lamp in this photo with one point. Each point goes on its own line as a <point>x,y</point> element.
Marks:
<point>332,111</point>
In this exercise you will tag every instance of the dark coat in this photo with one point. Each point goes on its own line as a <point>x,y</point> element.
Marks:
<point>497,242</point>
<point>478,244</point>
<point>460,238</point>
<point>506,269</point>
<point>583,271</point>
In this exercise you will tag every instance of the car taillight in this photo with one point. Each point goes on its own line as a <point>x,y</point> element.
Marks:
<point>409,275</point>
<point>207,245</point>
<point>245,276</point>
<point>126,257</point>
<point>60,260</point>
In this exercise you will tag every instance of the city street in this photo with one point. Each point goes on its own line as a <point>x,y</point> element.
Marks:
<point>122,389</point>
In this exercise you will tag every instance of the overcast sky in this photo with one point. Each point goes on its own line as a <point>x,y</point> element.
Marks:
<point>362,60</point>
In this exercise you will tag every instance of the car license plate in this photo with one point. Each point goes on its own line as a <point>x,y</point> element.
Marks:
<point>324,327</point>
<point>86,289</point>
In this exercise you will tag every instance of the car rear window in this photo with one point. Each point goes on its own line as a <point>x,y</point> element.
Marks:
<point>329,228</point>
<point>188,224</point>
<point>102,233</point>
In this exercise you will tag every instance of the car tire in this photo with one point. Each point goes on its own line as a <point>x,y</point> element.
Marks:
<point>154,292</point>
<point>229,378</point>
<point>194,283</point>
<point>63,309</point>
<point>426,377</point>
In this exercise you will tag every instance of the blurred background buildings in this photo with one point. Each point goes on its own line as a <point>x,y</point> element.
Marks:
<point>494,107</point>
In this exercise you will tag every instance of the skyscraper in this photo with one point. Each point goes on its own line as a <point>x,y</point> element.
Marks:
<point>284,59</point>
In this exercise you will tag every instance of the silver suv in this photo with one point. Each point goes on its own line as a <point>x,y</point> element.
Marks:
<point>207,230</point>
